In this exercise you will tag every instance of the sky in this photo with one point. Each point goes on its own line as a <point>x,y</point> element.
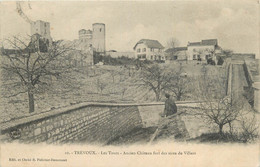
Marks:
<point>234,23</point>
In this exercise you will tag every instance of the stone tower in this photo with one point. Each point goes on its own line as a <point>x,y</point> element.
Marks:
<point>85,35</point>
<point>42,28</point>
<point>99,36</point>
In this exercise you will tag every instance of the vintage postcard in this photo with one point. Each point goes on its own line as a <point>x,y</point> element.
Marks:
<point>129,83</point>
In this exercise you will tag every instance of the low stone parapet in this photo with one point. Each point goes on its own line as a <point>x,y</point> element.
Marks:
<point>91,123</point>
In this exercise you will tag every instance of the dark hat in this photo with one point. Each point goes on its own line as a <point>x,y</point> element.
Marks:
<point>167,95</point>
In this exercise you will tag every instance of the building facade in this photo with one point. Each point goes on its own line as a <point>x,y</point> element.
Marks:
<point>195,51</point>
<point>147,49</point>
<point>204,50</point>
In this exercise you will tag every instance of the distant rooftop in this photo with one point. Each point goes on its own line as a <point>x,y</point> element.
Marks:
<point>204,42</point>
<point>82,30</point>
<point>98,23</point>
<point>41,21</point>
<point>150,43</point>
<point>177,49</point>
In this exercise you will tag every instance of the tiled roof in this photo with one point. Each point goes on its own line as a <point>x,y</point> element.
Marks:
<point>209,42</point>
<point>82,30</point>
<point>204,42</point>
<point>194,43</point>
<point>150,43</point>
<point>98,23</point>
<point>170,50</point>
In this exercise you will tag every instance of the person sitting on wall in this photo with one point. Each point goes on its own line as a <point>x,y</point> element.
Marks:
<point>168,116</point>
<point>170,106</point>
<point>169,112</point>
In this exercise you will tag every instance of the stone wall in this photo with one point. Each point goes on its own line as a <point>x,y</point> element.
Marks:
<point>173,128</point>
<point>248,75</point>
<point>229,79</point>
<point>88,123</point>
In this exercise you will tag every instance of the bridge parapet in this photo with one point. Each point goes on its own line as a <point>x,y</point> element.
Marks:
<point>85,122</point>
<point>248,75</point>
<point>97,123</point>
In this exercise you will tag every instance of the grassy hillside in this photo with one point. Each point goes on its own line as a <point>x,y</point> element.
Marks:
<point>81,85</point>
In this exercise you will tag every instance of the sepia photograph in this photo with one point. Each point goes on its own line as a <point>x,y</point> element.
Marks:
<point>129,79</point>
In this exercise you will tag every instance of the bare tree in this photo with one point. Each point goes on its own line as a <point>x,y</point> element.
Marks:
<point>122,74</point>
<point>204,71</point>
<point>221,111</point>
<point>215,107</point>
<point>32,65</point>
<point>101,85</point>
<point>171,52</point>
<point>154,77</point>
<point>173,43</point>
<point>249,126</point>
<point>179,84</point>
<point>113,74</point>
<point>124,89</point>
<point>163,78</point>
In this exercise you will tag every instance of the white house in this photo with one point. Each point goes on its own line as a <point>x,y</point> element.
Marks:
<point>203,50</point>
<point>147,49</point>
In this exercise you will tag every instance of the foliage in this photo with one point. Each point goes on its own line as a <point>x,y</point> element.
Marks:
<point>211,62</point>
<point>108,60</point>
<point>227,53</point>
<point>220,61</point>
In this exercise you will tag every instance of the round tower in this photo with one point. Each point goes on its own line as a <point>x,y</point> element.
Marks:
<point>99,34</point>
<point>85,35</point>
<point>89,34</point>
<point>82,34</point>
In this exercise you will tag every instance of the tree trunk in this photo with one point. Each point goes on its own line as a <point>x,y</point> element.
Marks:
<point>220,129</point>
<point>230,128</point>
<point>178,97</point>
<point>101,90</point>
<point>157,96</point>
<point>31,102</point>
